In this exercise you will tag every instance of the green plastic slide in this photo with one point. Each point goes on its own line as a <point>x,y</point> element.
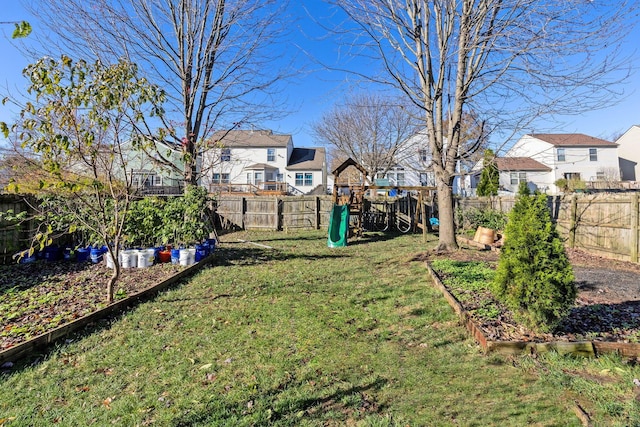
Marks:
<point>338,226</point>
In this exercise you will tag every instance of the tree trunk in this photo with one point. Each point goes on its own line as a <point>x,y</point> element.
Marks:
<point>447,232</point>
<point>115,275</point>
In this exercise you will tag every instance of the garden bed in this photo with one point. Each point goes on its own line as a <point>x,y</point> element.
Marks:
<point>606,316</point>
<point>40,299</point>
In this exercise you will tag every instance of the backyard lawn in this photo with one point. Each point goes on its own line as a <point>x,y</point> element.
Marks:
<point>289,332</point>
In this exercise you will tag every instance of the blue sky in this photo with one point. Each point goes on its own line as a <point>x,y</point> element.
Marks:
<point>316,92</point>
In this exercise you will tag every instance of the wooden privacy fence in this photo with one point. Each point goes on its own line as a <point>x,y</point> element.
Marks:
<point>274,213</point>
<point>13,237</point>
<point>605,224</point>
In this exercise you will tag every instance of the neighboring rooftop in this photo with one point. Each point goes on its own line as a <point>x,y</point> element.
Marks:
<point>573,140</point>
<point>520,164</point>
<point>306,158</point>
<point>251,138</point>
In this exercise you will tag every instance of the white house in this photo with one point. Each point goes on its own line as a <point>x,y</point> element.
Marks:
<point>569,156</point>
<point>514,170</point>
<point>414,165</point>
<point>259,160</point>
<point>629,154</point>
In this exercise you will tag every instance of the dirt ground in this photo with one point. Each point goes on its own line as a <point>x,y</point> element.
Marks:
<point>607,305</point>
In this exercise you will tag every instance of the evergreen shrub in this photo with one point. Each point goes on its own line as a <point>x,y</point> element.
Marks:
<point>534,277</point>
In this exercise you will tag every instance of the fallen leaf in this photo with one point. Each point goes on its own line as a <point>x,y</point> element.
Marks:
<point>82,388</point>
<point>107,402</point>
<point>207,366</point>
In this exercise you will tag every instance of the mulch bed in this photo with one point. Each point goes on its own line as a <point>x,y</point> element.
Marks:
<point>38,297</point>
<point>607,306</point>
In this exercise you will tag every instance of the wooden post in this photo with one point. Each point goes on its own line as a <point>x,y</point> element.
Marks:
<point>278,212</point>
<point>317,224</point>
<point>423,213</point>
<point>243,208</point>
<point>573,222</point>
<point>634,227</point>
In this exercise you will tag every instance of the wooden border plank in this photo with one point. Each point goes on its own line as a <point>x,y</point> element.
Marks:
<point>576,348</point>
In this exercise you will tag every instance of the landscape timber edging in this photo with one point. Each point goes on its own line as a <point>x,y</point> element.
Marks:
<point>577,348</point>
<point>25,348</point>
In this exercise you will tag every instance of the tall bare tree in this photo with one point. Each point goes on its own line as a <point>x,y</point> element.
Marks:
<point>215,59</point>
<point>509,59</point>
<point>369,128</point>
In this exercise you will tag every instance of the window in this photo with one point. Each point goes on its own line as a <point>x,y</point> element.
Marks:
<point>600,176</point>
<point>423,155</point>
<point>518,177</point>
<point>396,178</point>
<point>257,176</point>
<point>146,179</point>
<point>271,154</point>
<point>427,178</point>
<point>561,155</point>
<point>304,179</point>
<point>572,175</point>
<point>220,178</point>
<point>225,155</point>
<point>593,154</point>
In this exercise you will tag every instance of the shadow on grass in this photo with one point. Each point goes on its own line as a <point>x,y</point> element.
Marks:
<point>250,256</point>
<point>344,401</point>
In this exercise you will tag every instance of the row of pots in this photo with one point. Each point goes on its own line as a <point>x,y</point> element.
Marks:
<point>128,258</point>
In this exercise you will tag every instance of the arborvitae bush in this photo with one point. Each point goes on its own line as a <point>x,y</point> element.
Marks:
<point>534,277</point>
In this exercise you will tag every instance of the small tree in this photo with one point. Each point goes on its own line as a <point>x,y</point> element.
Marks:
<point>490,177</point>
<point>80,130</point>
<point>534,277</point>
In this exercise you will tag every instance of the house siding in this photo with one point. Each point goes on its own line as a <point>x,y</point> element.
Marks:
<point>629,154</point>
<point>576,161</point>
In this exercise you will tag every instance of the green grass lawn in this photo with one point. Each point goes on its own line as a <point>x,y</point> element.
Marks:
<point>297,335</point>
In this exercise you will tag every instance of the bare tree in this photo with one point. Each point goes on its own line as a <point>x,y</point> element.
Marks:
<point>369,128</point>
<point>214,59</point>
<point>512,60</point>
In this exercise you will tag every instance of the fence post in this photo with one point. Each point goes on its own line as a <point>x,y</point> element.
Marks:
<point>317,224</point>
<point>573,224</point>
<point>278,212</point>
<point>634,227</point>
<point>243,212</point>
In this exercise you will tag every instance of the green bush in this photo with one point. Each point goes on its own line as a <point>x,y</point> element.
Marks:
<point>489,218</point>
<point>144,223</point>
<point>490,176</point>
<point>182,220</point>
<point>534,277</point>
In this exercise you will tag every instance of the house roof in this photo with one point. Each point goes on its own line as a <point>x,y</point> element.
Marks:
<point>573,140</point>
<point>520,164</point>
<point>306,159</point>
<point>349,162</point>
<point>251,138</point>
